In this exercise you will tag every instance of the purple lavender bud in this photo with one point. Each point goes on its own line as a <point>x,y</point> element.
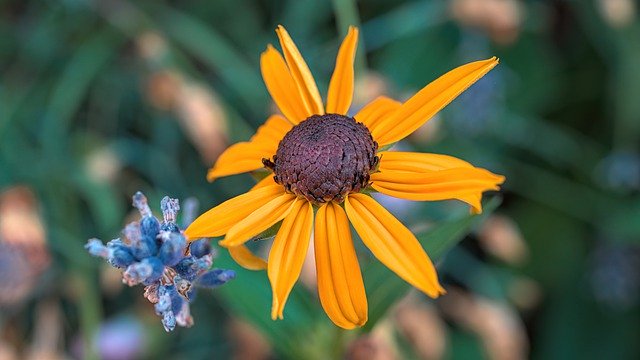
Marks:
<point>140,202</point>
<point>200,248</point>
<point>164,301</point>
<point>144,248</point>
<point>147,271</point>
<point>121,255</point>
<point>183,316</point>
<point>173,248</point>
<point>170,227</point>
<point>215,278</point>
<point>150,226</point>
<point>157,269</point>
<point>136,273</point>
<point>187,268</point>
<point>176,300</point>
<point>168,321</point>
<point>96,248</point>
<point>132,233</point>
<point>170,208</point>
<point>204,263</point>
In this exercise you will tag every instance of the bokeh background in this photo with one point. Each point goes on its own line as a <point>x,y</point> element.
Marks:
<point>99,99</point>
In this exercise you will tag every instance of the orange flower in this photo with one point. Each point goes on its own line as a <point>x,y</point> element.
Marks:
<point>322,162</point>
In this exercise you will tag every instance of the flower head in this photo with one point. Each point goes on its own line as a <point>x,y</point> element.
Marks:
<point>157,255</point>
<point>324,164</point>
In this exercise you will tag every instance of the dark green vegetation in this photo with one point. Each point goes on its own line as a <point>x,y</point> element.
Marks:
<point>100,99</point>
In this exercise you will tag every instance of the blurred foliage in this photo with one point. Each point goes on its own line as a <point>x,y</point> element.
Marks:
<point>99,99</point>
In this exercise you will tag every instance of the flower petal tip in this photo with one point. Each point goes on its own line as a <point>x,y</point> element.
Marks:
<point>276,315</point>
<point>225,243</point>
<point>211,177</point>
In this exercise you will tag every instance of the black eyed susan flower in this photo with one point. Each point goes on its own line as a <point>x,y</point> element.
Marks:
<point>322,161</point>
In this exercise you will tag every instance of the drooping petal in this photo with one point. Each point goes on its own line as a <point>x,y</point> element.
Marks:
<point>282,86</point>
<point>432,177</point>
<point>340,285</point>
<point>300,72</point>
<point>374,113</point>
<point>428,101</point>
<point>259,220</point>
<point>341,86</point>
<point>220,219</point>
<point>247,156</point>
<point>248,260</point>
<point>288,253</point>
<point>392,243</point>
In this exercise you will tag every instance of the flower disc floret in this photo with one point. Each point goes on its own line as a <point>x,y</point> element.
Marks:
<point>324,158</point>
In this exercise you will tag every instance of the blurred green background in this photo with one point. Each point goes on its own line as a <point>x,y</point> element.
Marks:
<point>99,99</point>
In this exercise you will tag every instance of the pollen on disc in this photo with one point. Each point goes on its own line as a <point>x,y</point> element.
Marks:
<point>325,157</point>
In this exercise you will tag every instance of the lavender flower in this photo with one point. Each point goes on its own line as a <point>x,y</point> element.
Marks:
<point>157,255</point>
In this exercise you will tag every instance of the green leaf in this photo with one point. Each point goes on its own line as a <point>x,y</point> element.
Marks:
<point>73,83</point>
<point>218,53</point>
<point>249,296</point>
<point>384,288</point>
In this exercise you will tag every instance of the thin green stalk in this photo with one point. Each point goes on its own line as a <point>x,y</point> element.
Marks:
<point>89,313</point>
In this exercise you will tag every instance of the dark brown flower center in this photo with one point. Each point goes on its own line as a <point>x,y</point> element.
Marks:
<point>324,158</point>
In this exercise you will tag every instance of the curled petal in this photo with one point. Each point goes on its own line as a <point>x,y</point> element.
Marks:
<point>259,220</point>
<point>218,220</point>
<point>392,243</point>
<point>248,260</point>
<point>282,87</point>
<point>428,101</point>
<point>247,156</point>
<point>288,253</point>
<point>374,113</point>
<point>340,285</point>
<point>341,86</point>
<point>300,73</point>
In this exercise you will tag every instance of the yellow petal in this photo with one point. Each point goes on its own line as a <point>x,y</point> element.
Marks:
<point>243,256</point>
<point>218,220</point>
<point>341,86</point>
<point>428,101</point>
<point>259,220</point>
<point>432,177</point>
<point>374,113</point>
<point>392,243</point>
<point>282,87</point>
<point>300,72</point>
<point>340,285</point>
<point>288,253</point>
<point>268,180</point>
<point>418,162</point>
<point>247,156</point>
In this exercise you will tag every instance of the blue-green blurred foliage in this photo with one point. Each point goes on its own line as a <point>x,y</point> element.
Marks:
<point>559,116</point>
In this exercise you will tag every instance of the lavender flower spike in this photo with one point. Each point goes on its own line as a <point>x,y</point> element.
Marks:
<point>158,256</point>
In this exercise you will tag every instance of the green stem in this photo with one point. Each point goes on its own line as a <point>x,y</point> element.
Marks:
<point>89,313</point>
